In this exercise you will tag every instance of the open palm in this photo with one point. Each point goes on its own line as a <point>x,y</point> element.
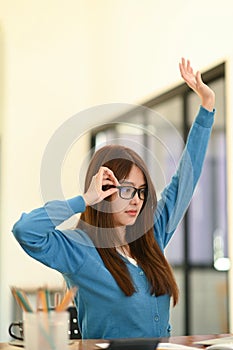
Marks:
<point>194,81</point>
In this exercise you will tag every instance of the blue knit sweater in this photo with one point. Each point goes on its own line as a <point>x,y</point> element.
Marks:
<point>103,309</point>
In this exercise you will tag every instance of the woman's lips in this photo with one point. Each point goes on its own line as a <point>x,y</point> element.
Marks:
<point>131,212</point>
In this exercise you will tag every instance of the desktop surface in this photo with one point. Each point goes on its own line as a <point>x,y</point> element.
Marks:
<point>90,344</point>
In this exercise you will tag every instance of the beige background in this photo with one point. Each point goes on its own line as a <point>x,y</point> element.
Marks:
<point>60,57</point>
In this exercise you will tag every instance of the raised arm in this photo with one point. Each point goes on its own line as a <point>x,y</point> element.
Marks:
<point>178,194</point>
<point>37,234</point>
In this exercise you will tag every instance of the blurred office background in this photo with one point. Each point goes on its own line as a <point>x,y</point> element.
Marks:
<point>95,62</point>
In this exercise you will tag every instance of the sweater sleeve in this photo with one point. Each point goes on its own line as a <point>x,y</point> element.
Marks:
<point>176,197</point>
<point>37,234</point>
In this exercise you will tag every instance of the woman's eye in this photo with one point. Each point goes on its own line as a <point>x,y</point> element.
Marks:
<point>126,190</point>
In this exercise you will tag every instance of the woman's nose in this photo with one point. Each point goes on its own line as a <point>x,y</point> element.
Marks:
<point>135,198</point>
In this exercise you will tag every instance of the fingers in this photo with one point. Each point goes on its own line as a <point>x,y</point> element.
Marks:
<point>189,68</point>
<point>185,67</point>
<point>187,74</point>
<point>182,66</point>
<point>95,192</point>
<point>103,180</point>
<point>107,176</point>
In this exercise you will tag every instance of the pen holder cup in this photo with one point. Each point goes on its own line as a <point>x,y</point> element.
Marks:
<point>46,330</point>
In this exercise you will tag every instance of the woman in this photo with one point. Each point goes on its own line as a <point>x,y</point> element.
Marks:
<point>115,256</point>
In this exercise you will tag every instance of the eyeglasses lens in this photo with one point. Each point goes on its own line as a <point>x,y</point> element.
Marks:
<point>129,192</point>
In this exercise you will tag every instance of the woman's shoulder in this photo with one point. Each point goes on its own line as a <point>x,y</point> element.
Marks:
<point>78,236</point>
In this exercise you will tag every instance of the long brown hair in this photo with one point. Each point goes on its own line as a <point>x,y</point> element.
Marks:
<point>97,221</point>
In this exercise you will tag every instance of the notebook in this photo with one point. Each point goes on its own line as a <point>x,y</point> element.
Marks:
<point>227,339</point>
<point>141,344</point>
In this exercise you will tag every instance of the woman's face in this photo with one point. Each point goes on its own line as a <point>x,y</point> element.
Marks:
<point>126,211</point>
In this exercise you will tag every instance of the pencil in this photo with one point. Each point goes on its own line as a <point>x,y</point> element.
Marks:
<point>23,302</point>
<point>47,296</point>
<point>19,302</point>
<point>42,300</point>
<point>56,299</point>
<point>26,300</point>
<point>66,300</point>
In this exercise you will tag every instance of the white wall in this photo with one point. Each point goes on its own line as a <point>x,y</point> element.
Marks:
<point>60,57</point>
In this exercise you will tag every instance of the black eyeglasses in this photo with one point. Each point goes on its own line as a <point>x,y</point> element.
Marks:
<point>128,192</point>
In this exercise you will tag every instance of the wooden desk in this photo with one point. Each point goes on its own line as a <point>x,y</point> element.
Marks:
<point>89,344</point>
